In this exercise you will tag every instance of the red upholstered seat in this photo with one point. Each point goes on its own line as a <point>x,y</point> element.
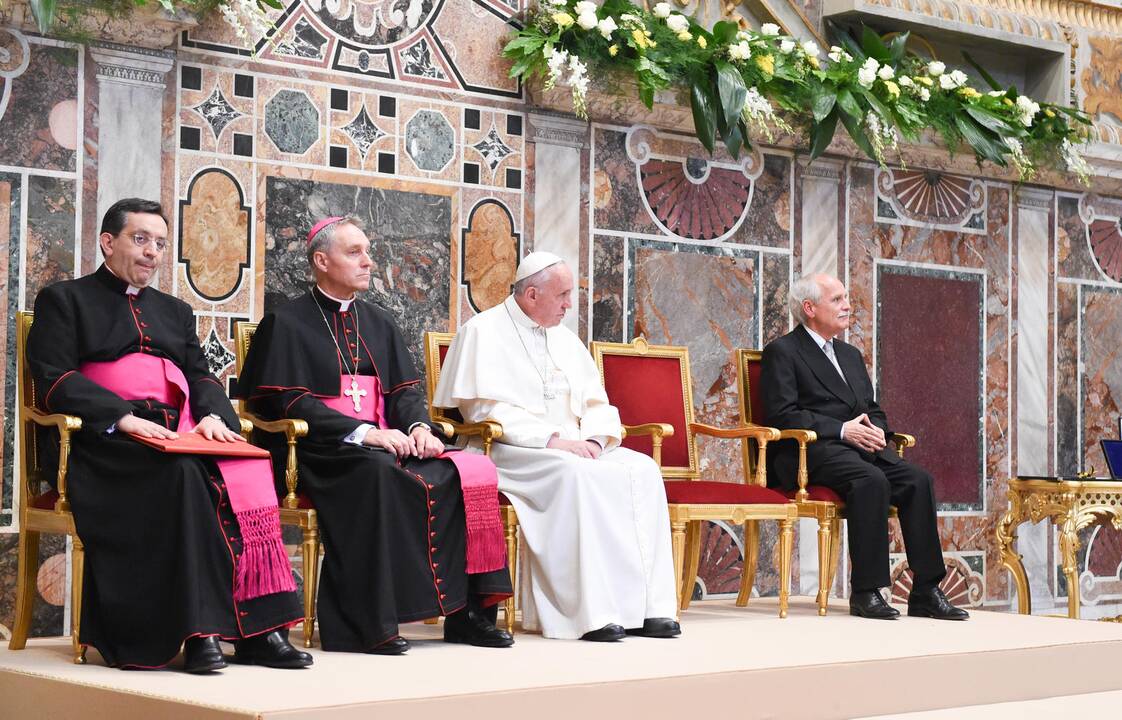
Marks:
<point>817,493</point>
<point>720,493</point>
<point>46,501</point>
<point>303,502</point>
<point>649,389</point>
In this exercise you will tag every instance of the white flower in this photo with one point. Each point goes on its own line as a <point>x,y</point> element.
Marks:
<point>866,76</point>
<point>811,48</point>
<point>743,36</point>
<point>906,81</point>
<point>678,23</point>
<point>557,59</point>
<point>1075,162</point>
<point>740,51</point>
<point>606,27</point>
<point>759,114</point>
<point>584,7</point>
<point>1027,108</point>
<point>935,68</point>
<point>629,19</point>
<point>786,46</point>
<point>662,10</point>
<point>886,72</point>
<point>871,63</point>
<point>769,29</point>
<point>995,93</point>
<point>587,21</point>
<point>835,55</point>
<point>946,82</point>
<point>924,94</point>
<point>959,78</point>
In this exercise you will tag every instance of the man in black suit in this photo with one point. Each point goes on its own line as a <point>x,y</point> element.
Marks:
<point>812,380</point>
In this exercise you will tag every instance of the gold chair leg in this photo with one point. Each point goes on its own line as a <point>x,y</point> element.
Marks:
<point>786,541</point>
<point>823,565</point>
<point>309,551</point>
<point>510,534</point>
<point>692,561</point>
<point>77,576</point>
<point>835,551</point>
<point>28,560</point>
<point>751,558</point>
<point>678,544</point>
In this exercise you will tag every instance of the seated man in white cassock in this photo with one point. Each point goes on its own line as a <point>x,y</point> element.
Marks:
<point>593,515</point>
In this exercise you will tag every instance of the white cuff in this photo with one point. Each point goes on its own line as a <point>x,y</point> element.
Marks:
<point>416,425</point>
<point>355,438</point>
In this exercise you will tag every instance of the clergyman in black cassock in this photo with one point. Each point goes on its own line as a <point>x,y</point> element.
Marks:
<point>162,540</point>
<point>392,514</point>
<point>814,381</point>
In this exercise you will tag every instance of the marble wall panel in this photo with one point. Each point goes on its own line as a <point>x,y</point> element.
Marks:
<point>292,116</point>
<point>410,234</point>
<point>218,109</point>
<point>704,298</point>
<point>776,317</point>
<point>929,373</point>
<point>607,288</point>
<point>617,203</point>
<point>50,595</point>
<point>365,125</point>
<point>430,146</point>
<point>490,254</point>
<point>1101,369</point>
<point>494,142</point>
<point>474,36</point>
<point>9,301</point>
<point>1069,455</point>
<point>768,221</point>
<point>1073,254</point>
<point>39,127</point>
<point>50,233</point>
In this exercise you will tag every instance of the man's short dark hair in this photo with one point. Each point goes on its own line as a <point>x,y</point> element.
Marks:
<point>118,213</point>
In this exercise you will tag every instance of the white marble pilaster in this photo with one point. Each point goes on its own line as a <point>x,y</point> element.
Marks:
<point>131,85</point>
<point>558,142</point>
<point>820,232</point>
<point>1033,239</point>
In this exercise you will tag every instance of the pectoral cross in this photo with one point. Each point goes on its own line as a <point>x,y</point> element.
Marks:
<point>355,394</point>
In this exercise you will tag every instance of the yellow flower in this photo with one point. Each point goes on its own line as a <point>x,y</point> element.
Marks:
<point>766,63</point>
<point>701,41</point>
<point>652,43</point>
<point>648,33</point>
<point>563,20</point>
<point>892,88</point>
<point>685,36</point>
<point>969,93</point>
<point>1049,113</point>
<point>813,61</point>
<point>1008,102</point>
<point>613,50</point>
<point>640,39</point>
<point>925,80</point>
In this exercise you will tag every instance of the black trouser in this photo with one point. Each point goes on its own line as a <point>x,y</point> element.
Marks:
<point>868,488</point>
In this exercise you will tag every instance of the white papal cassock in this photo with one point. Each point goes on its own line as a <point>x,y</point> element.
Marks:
<point>596,532</point>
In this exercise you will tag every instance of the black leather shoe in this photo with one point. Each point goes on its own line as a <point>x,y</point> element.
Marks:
<point>202,654</point>
<point>394,646</point>
<point>657,628</point>
<point>471,627</point>
<point>271,649</point>
<point>934,604</point>
<point>870,604</point>
<point>608,633</point>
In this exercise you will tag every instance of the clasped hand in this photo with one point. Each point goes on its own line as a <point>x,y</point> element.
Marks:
<point>419,443</point>
<point>580,448</point>
<point>862,433</point>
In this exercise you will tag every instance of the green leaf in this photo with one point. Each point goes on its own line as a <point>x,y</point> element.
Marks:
<point>725,31</point>
<point>981,71</point>
<point>849,104</point>
<point>733,140</point>
<point>853,127</point>
<point>823,104</point>
<point>44,11</point>
<point>520,68</point>
<point>275,4</point>
<point>822,133</point>
<point>872,44</point>
<point>704,117</point>
<point>992,122</point>
<point>842,37</point>
<point>897,48</point>
<point>646,94</point>
<point>526,43</point>
<point>875,102</point>
<point>730,90</point>
<point>976,137</point>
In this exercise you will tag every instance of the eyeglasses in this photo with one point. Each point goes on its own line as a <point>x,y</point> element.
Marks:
<point>141,240</point>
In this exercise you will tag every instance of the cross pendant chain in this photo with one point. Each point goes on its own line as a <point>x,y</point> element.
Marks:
<point>355,394</point>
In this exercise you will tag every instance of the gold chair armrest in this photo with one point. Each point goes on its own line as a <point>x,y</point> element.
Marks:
<point>487,430</point>
<point>444,428</point>
<point>65,424</point>
<point>903,441</point>
<point>292,429</point>
<point>756,432</point>
<point>246,427</point>
<point>804,438</point>
<point>657,431</point>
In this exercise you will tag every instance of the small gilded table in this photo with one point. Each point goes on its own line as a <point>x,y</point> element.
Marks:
<point>1071,505</point>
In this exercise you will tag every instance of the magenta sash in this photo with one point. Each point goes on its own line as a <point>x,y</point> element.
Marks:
<point>479,480</point>
<point>262,568</point>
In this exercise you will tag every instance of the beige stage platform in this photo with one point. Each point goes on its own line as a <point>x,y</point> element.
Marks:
<point>743,661</point>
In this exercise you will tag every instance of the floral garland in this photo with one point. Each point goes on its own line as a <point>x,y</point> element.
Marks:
<point>247,17</point>
<point>748,83</point>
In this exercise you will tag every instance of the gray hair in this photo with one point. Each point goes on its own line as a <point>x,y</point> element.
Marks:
<point>803,289</point>
<point>322,240</point>
<point>541,277</point>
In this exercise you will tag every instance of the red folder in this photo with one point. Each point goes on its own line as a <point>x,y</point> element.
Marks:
<point>196,444</point>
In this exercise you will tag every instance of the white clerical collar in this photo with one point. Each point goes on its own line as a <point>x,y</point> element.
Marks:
<point>520,317</point>
<point>131,289</point>
<point>344,305</point>
<point>818,339</point>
